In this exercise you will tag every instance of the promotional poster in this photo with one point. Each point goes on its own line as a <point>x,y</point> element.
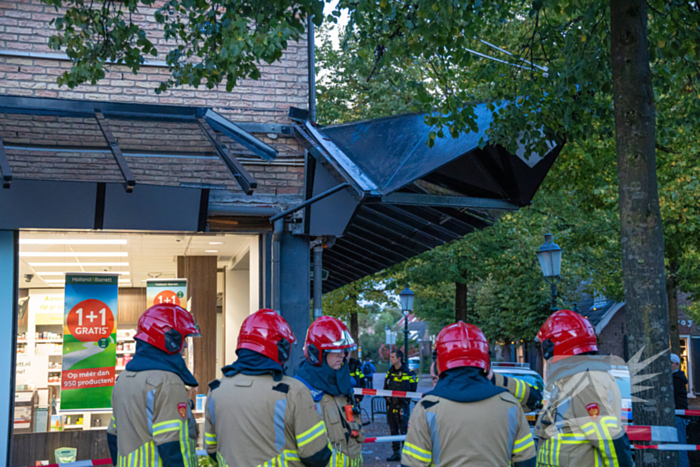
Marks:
<point>89,341</point>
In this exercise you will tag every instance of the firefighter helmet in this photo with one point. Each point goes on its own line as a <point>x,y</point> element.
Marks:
<point>267,333</point>
<point>327,334</point>
<point>166,326</point>
<point>462,344</point>
<point>567,333</point>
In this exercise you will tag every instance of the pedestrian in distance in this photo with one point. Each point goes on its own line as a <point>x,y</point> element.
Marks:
<point>398,378</point>
<point>581,424</point>
<point>326,373</point>
<point>680,396</point>
<point>255,415</point>
<point>357,378</point>
<point>467,420</point>
<point>368,369</point>
<point>152,422</point>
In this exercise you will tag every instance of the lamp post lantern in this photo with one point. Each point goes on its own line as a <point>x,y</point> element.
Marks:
<point>549,256</point>
<point>406,297</point>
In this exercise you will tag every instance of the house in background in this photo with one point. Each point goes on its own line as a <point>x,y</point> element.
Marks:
<point>608,317</point>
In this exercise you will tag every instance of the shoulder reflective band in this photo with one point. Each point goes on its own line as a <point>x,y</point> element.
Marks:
<point>386,393</point>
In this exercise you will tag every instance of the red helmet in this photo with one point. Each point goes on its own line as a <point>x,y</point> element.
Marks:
<point>267,333</point>
<point>165,326</point>
<point>567,333</point>
<point>327,334</point>
<point>462,344</point>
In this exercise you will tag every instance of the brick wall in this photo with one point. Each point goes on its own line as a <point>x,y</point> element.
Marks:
<point>24,28</point>
<point>611,341</point>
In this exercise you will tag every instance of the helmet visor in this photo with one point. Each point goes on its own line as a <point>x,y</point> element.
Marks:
<point>345,344</point>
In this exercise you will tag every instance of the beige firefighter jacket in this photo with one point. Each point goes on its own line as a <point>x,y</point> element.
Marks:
<point>151,408</point>
<point>254,421</point>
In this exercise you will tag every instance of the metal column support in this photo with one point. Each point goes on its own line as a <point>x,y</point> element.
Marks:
<point>244,179</point>
<point>318,281</point>
<point>5,169</point>
<point>116,151</point>
<point>277,264</point>
<point>9,271</point>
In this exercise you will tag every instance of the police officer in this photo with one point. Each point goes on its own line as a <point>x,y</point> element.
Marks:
<point>466,419</point>
<point>581,424</point>
<point>255,415</point>
<point>152,422</point>
<point>326,373</point>
<point>398,378</point>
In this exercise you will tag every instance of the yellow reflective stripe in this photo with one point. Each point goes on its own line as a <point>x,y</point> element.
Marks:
<point>311,434</point>
<point>210,438</point>
<point>164,427</point>
<point>417,453</point>
<point>421,450</point>
<point>523,443</point>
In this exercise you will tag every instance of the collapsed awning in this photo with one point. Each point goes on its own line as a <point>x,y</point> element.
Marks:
<point>404,198</point>
<point>89,164</point>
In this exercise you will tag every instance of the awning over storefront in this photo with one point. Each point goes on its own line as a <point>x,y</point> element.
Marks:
<point>404,198</point>
<point>85,164</point>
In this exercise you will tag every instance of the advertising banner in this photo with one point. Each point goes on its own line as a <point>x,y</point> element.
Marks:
<point>89,341</point>
<point>166,291</point>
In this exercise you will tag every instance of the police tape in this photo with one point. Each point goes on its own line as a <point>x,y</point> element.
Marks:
<point>384,439</point>
<point>386,393</point>
<point>656,434</point>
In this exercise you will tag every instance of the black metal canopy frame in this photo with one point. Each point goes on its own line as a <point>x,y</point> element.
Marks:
<point>402,198</point>
<point>211,124</point>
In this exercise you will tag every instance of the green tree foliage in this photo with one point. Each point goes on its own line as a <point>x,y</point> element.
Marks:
<point>349,87</point>
<point>209,42</point>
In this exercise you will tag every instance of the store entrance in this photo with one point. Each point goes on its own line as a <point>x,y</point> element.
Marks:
<point>216,277</point>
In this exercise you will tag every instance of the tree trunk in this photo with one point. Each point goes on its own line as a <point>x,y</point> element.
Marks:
<point>672,293</point>
<point>461,292</point>
<point>355,331</point>
<point>640,218</point>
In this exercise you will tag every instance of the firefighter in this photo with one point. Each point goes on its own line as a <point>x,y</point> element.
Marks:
<point>326,373</point>
<point>530,397</point>
<point>581,423</point>
<point>152,422</point>
<point>398,378</point>
<point>466,419</point>
<point>255,415</point>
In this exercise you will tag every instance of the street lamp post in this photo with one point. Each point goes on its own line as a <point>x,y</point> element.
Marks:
<point>407,297</point>
<point>549,256</point>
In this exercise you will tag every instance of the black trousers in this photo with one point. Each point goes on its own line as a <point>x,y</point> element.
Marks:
<point>397,417</point>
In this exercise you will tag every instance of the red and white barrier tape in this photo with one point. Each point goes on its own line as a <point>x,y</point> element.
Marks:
<point>386,393</point>
<point>688,413</point>
<point>670,447</point>
<point>660,434</point>
<point>385,439</point>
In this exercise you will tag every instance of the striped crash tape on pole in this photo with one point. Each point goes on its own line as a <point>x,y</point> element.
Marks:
<point>386,393</point>
<point>385,439</point>
<point>660,434</point>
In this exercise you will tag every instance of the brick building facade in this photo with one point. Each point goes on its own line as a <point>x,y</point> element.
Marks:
<point>610,321</point>
<point>28,67</point>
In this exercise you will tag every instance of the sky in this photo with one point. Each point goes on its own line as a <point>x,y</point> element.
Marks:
<point>342,21</point>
